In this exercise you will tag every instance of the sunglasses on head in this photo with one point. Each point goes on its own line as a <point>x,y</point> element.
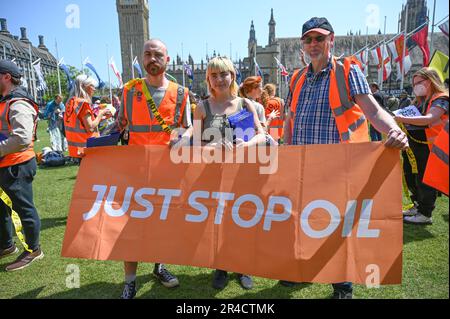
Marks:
<point>309,40</point>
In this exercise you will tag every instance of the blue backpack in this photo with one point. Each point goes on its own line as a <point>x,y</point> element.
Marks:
<point>53,159</point>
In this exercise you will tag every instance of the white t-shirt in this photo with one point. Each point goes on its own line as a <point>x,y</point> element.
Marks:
<point>260,111</point>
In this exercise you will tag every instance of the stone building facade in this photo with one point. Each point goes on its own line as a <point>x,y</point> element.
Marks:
<point>18,49</point>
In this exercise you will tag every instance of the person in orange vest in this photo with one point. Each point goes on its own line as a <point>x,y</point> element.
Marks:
<point>18,118</point>
<point>274,107</point>
<point>80,122</point>
<point>152,111</point>
<point>432,101</point>
<point>436,172</point>
<point>330,103</point>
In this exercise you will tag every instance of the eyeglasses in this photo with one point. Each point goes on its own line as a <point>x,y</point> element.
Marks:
<point>319,39</point>
<point>417,83</point>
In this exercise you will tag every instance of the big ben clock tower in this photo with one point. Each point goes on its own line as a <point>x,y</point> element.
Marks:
<point>134,31</point>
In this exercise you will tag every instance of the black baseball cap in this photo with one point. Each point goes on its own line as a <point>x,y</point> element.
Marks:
<point>7,66</point>
<point>316,24</point>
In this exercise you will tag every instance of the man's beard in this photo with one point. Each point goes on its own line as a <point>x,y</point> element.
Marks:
<point>155,70</point>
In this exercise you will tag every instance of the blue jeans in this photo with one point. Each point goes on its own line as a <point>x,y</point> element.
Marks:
<point>343,286</point>
<point>375,136</point>
<point>16,182</point>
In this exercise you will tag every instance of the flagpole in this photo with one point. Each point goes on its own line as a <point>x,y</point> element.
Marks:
<point>109,74</point>
<point>57,68</point>
<point>81,57</point>
<point>402,65</point>
<point>432,27</point>
<point>132,61</point>
<point>353,41</point>
<point>32,74</point>
<point>382,56</point>
<point>367,51</point>
<point>182,64</point>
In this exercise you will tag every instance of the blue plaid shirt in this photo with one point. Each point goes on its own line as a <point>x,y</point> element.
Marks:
<point>314,120</point>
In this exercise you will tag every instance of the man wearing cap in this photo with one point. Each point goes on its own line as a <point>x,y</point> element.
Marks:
<point>18,117</point>
<point>330,103</point>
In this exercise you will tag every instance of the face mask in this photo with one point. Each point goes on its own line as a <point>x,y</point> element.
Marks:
<point>420,90</point>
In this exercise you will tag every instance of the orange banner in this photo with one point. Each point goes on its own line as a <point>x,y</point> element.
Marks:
<point>327,213</point>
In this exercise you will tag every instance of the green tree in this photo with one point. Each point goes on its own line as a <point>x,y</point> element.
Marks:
<point>52,82</point>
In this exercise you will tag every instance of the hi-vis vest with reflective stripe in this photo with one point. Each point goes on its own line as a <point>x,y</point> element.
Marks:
<point>350,120</point>
<point>76,133</point>
<point>144,128</point>
<point>275,127</point>
<point>6,129</point>
<point>436,173</point>
<point>437,127</point>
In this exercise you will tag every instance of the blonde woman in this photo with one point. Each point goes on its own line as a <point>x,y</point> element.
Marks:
<point>79,120</point>
<point>213,114</point>
<point>432,100</point>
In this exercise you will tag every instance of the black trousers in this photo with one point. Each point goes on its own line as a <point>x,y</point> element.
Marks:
<point>423,195</point>
<point>16,182</point>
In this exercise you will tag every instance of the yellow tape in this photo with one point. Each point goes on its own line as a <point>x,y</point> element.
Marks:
<point>16,220</point>
<point>402,126</point>
<point>407,202</point>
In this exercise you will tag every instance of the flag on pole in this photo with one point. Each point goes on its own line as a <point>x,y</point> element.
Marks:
<point>363,57</point>
<point>439,62</point>
<point>444,27</point>
<point>382,60</point>
<point>66,71</point>
<point>258,69</point>
<point>88,63</point>
<point>403,62</point>
<point>189,74</point>
<point>42,85</point>
<point>421,39</point>
<point>284,72</point>
<point>112,64</point>
<point>238,75</point>
<point>137,67</point>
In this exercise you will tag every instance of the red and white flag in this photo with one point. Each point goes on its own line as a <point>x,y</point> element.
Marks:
<point>116,72</point>
<point>363,57</point>
<point>382,59</point>
<point>403,62</point>
<point>421,39</point>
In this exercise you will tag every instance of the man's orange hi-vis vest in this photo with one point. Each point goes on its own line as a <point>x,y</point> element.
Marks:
<point>6,129</point>
<point>76,133</point>
<point>144,128</point>
<point>436,173</point>
<point>350,119</point>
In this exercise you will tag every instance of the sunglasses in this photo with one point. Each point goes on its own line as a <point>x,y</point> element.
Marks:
<point>319,39</point>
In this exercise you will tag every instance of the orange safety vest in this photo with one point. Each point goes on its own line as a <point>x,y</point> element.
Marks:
<point>350,119</point>
<point>76,133</point>
<point>144,128</point>
<point>6,129</point>
<point>433,130</point>
<point>276,126</point>
<point>436,172</point>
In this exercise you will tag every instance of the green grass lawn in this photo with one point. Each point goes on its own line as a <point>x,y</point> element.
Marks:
<point>425,260</point>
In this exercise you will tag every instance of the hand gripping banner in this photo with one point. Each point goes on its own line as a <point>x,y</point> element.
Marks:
<point>326,213</point>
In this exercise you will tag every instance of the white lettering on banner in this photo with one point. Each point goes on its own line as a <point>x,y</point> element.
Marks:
<point>268,216</point>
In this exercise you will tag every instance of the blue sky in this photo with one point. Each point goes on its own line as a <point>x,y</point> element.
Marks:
<point>193,25</point>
